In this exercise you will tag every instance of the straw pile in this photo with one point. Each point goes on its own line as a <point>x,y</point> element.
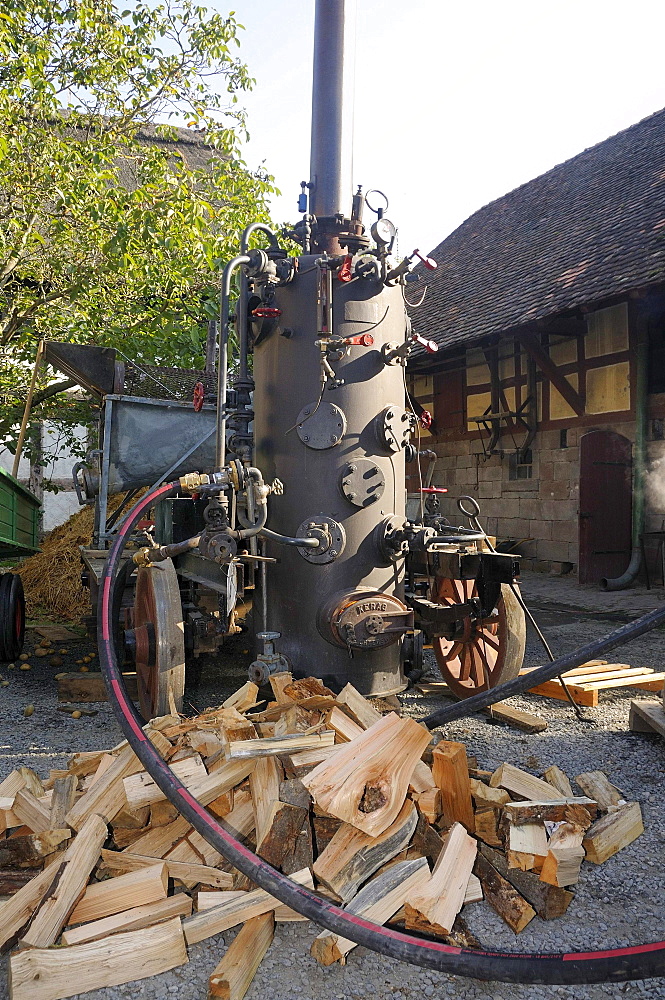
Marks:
<point>52,577</point>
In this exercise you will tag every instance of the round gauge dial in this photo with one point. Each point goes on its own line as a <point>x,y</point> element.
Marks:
<point>383,231</point>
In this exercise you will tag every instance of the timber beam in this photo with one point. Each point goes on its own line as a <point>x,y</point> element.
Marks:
<point>533,348</point>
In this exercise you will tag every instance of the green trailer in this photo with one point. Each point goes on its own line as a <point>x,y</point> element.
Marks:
<point>19,536</point>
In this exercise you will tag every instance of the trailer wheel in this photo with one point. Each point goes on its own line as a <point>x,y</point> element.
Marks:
<point>489,651</point>
<point>12,616</point>
<point>159,640</point>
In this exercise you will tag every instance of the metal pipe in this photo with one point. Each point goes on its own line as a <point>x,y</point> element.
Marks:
<point>223,358</point>
<point>641,406</point>
<point>241,307</point>
<point>325,166</point>
<point>308,543</point>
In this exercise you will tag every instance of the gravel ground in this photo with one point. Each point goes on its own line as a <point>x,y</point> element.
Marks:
<point>619,903</point>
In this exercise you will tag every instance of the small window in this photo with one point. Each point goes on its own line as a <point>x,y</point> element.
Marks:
<point>520,465</point>
<point>563,438</point>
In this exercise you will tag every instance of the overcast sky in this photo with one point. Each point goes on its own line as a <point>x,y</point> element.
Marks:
<point>455,104</point>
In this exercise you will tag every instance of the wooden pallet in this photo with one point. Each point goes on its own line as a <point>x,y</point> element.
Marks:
<point>647,717</point>
<point>586,682</point>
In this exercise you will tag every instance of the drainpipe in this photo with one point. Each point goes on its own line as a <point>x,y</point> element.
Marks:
<point>639,466</point>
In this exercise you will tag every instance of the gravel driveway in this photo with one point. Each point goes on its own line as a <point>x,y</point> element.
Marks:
<point>619,903</point>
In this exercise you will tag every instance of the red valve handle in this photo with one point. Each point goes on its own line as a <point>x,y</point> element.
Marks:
<point>426,419</point>
<point>344,273</point>
<point>266,312</point>
<point>433,489</point>
<point>430,346</point>
<point>362,340</point>
<point>428,262</point>
<point>199,396</point>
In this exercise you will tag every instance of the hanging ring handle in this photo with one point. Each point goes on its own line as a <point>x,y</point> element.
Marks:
<point>473,506</point>
<point>377,211</point>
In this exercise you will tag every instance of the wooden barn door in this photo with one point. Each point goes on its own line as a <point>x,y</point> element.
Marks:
<point>605,505</point>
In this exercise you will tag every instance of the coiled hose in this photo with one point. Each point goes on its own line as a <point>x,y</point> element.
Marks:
<point>614,965</point>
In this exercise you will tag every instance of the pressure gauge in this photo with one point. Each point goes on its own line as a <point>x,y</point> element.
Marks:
<point>383,232</point>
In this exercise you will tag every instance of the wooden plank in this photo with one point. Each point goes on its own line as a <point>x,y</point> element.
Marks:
<point>359,707</point>
<point>641,679</point>
<point>502,896</point>
<point>273,745</point>
<point>77,863</point>
<point>514,779</point>
<point>56,973</point>
<point>533,347</point>
<point>552,689</point>
<point>525,721</point>
<point>203,925</point>
<point>234,974</point>
<point>548,901</point>
<point>450,771</point>
<point>78,688</point>
<point>195,873</point>
<point>378,901</point>
<point>432,907</point>
<point>133,919</point>
<point>647,717</point>
<point>352,855</point>
<point>103,899</point>
<point>597,786</point>
<point>613,832</point>
<point>17,911</point>
<point>365,783</point>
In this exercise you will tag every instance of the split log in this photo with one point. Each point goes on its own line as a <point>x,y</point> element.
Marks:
<point>234,974</point>
<point>68,885</point>
<point>352,856</point>
<point>548,901</point>
<point>112,861</point>
<point>11,880</point>
<point>502,896</point>
<point>62,800</point>
<point>162,813</point>
<point>103,899</point>
<point>207,900</point>
<point>278,682</point>
<point>132,919</point>
<point>30,850</point>
<point>32,782</point>
<point>486,797</point>
<point>244,698</point>
<point>377,901</point>
<point>358,707</point>
<point>427,841</point>
<point>422,778</point>
<point>597,786</point>
<point>325,828</point>
<point>523,784</point>
<point>343,725</point>
<point>264,788</point>
<point>486,827</point>
<point>559,779</point>
<point>287,843</point>
<point>365,783</point>
<point>32,812</point>
<point>17,911</point>
<point>294,792</point>
<point>141,789</point>
<point>273,745</point>
<point>157,843</point>
<point>307,687</point>
<point>55,973</point>
<point>528,838</point>
<point>203,925</point>
<point>107,796</point>
<point>429,804</point>
<point>433,907</point>
<point>575,810</point>
<point>561,866</point>
<point>451,774</point>
<point>614,831</point>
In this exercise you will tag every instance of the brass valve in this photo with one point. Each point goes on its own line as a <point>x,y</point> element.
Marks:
<point>193,480</point>
<point>143,556</point>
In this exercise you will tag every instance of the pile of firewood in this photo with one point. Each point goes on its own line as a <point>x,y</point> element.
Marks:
<point>358,806</point>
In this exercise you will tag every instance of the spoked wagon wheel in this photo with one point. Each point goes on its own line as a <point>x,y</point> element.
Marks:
<point>486,652</point>
<point>12,616</point>
<point>159,640</point>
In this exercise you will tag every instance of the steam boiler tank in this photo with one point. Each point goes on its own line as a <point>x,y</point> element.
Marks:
<point>336,441</point>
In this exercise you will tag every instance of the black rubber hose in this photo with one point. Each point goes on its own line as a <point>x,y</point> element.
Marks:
<point>615,965</point>
<point>541,674</point>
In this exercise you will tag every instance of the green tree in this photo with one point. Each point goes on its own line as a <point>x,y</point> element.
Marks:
<point>108,233</point>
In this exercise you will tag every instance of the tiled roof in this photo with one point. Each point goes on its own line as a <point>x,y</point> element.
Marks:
<point>591,228</point>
